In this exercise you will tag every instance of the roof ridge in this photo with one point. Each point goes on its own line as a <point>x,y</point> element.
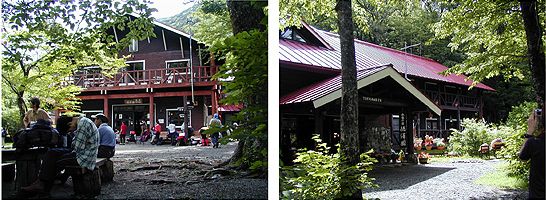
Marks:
<point>379,46</point>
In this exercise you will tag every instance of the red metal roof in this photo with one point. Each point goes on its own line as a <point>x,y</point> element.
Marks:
<point>323,88</point>
<point>229,108</point>
<point>367,56</point>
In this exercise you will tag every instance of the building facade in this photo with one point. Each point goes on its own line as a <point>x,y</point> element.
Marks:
<point>167,80</point>
<point>401,96</point>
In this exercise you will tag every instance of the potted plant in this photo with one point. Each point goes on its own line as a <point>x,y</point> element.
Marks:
<point>428,142</point>
<point>440,145</point>
<point>423,157</point>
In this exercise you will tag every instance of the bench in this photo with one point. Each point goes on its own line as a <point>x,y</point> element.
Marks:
<point>89,183</point>
<point>8,171</point>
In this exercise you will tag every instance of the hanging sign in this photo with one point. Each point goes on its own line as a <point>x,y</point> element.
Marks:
<point>132,101</point>
<point>373,99</point>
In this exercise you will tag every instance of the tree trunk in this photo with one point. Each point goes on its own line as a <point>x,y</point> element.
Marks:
<point>535,49</point>
<point>349,98</point>
<point>245,16</point>
<point>22,108</point>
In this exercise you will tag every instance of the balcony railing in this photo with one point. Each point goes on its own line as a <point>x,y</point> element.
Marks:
<point>450,99</point>
<point>150,77</point>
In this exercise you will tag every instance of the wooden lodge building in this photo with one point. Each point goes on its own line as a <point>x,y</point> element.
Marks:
<point>164,76</point>
<point>401,96</point>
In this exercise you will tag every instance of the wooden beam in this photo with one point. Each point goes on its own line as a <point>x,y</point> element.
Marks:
<point>115,34</point>
<point>144,95</point>
<point>164,41</point>
<point>181,47</point>
<point>105,108</point>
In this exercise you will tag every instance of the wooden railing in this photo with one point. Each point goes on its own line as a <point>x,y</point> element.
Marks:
<point>169,76</point>
<point>450,99</point>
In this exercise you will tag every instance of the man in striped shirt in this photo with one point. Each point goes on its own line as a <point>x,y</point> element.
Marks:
<point>85,147</point>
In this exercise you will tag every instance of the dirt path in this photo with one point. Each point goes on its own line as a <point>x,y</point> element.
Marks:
<point>450,180</point>
<point>168,172</point>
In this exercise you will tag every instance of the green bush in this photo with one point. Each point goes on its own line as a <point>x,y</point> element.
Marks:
<point>317,175</point>
<point>469,140</point>
<point>517,121</point>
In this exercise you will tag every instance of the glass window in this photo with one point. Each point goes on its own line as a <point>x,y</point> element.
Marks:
<point>176,117</point>
<point>133,47</point>
<point>291,35</point>
<point>134,66</point>
<point>178,64</point>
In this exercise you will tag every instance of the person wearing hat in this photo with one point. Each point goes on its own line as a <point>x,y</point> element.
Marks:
<point>215,123</point>
<point>107,137</point>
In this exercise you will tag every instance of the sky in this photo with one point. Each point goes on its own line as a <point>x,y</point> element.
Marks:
<point>167,8</point>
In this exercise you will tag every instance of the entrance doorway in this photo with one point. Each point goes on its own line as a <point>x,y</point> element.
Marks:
<point>134,116</point>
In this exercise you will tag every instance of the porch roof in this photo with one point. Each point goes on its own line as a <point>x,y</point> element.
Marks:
<point>329,90</point>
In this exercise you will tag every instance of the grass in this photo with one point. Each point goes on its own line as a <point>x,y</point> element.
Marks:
<point>500,179</point>
<point>445,159</point>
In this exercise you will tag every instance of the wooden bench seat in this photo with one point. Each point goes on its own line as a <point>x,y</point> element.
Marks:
<point>8,171</point>
<point>89,183</point>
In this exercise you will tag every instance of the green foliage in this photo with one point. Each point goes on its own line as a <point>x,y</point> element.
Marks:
<point>183,20</point>
<point>46,41</point>
<point>492,36</point>
<point>501,179</point>
<point>468,141</point>
<point>316,174</point>
<point>212,22</point>
<point>517,120</point>
<point>245,57</point>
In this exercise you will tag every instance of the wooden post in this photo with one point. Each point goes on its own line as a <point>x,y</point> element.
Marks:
<point>214,102</point>
<point>151,110</point>
<point>186,121</point>
<point>458,118</point>
<point>105,107</point>
<point>319,123</point>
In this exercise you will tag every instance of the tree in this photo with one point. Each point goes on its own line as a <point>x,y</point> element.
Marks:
<point>236,34</point>
<point>46,41</point>
<point>495,40</point>
<point>349,98</point>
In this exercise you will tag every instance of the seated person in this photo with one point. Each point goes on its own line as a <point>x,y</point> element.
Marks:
<point>107,137</point>
<point>145,135</point>
<point>85,147</point>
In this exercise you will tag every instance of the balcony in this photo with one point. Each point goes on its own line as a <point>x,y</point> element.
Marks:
<point>140,79</point>
<point>452,100</point>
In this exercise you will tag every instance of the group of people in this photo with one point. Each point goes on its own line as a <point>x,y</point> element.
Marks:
<point>87,139</point>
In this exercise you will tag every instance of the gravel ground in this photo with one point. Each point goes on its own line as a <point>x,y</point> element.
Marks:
<point>144,171</point>
<point>451,180</point>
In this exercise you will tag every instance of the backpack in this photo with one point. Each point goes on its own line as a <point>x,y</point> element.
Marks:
<point>40,135</point>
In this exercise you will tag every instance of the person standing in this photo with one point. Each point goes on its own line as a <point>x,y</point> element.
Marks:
<point>215,123</point>
<point>122,132</point>
<point>173,134</point>
<point>84,154</point>
<point>533,149</point>
<point>36,113</point>
<point>107,137</point>
<point>157,129</point>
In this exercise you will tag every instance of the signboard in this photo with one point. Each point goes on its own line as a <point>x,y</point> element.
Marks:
<point>372,99</point>
<point>161,121</point>
<point>132,101</point>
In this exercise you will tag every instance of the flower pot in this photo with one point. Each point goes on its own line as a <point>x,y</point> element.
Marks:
<point>440,147</point>
<point>423,160</point>
<point>418,148</point>
<point>429,147</point>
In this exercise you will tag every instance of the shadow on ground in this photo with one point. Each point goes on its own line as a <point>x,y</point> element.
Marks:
<point>409,175</point>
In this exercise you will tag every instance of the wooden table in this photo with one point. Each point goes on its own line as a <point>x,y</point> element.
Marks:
<point>27,164</point>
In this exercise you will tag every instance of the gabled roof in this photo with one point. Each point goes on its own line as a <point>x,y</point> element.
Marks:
<point>329,90</point>
<point>167,27</point>
<point>367,55</point>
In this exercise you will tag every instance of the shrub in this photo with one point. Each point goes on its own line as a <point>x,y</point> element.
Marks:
<point>517,123</point>
<point>468,141</point>
<point>317,174</point>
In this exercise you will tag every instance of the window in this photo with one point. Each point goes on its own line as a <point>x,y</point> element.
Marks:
<point>177,63</point>
<point>133,47</point>
<point>132,66</point>
<point>176,117</point>
<point>292,35</point>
